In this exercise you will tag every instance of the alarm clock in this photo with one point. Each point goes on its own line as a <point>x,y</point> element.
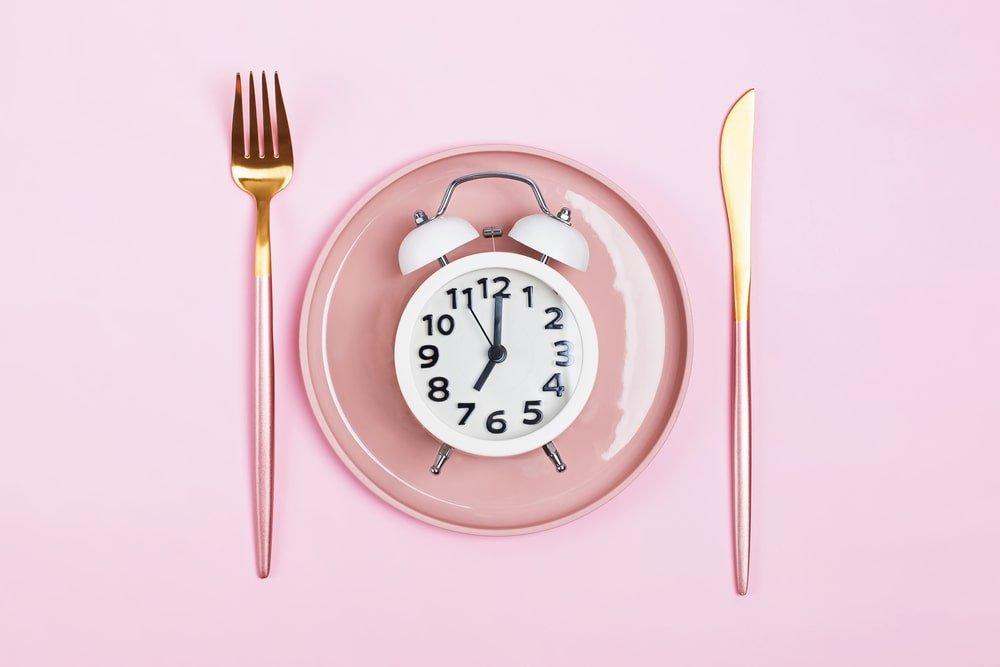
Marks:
<point>495,353</point>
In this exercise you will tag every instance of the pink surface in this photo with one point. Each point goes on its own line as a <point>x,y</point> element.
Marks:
<point>631,288</point>
<point>125,503</point>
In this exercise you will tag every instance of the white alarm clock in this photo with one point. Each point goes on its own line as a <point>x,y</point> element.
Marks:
<point>496,352</point>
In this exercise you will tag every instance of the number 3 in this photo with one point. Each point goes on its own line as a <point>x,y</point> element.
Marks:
<point>565,354</point>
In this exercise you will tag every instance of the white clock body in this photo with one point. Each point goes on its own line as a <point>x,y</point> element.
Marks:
<point>545,373</point>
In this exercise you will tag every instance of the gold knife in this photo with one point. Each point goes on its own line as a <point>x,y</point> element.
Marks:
<point>735,165</point>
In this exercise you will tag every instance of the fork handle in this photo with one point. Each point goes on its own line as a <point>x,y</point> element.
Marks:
<point>264,391</point>
<point>741,457</point>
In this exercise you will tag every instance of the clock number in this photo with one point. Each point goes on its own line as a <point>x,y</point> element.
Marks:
<point>528,291</point>
<point>565,354</point>
<point>428,353</point>
<point>468,296</point>
<point>494,423</point>
<point>502,292</point>
<point>445,324</point>
<point>555,384</point>
<point>531,408</point>
<point>438,389</point>
<point>468,407</point>
<point>483,282</point>
<point>556,321</point>
<point>453,293</point>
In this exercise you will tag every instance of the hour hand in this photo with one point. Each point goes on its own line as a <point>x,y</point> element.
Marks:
<point>496,354</point>
<point>485,374</point>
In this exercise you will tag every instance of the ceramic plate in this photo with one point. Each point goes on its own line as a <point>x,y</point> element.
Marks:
<point>356,295</point>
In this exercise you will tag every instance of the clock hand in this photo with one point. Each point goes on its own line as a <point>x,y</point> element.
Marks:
<point>480,324</point>
<point>485,374</point>
<point>497,319</point>
<point>497,352</point>
<point>496,355</point>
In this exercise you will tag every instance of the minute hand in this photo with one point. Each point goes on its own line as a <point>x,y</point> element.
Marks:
<point>497,319</point>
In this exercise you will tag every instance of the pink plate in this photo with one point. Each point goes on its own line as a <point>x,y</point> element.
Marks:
<point>356,295</point>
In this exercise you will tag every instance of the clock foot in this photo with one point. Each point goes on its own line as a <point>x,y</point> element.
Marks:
<point>553,454</point>
<point>443,453</point>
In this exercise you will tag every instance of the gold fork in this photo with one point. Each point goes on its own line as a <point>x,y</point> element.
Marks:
<point>262,175</point>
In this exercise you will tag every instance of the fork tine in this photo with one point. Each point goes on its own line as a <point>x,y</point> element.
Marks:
<point>239,145</point>
<point>254,137</point>
<point>269,148</point>
<point>284,137</point>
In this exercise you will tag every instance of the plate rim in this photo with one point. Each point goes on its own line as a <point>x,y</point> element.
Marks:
<point>310,290</point>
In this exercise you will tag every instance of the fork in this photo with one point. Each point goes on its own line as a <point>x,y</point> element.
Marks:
<point>262,172</point>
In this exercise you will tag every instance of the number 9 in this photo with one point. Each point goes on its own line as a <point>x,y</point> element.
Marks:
<point>428,353</point>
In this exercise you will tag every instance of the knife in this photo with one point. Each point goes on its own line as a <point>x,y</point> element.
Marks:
<point>735,165</point>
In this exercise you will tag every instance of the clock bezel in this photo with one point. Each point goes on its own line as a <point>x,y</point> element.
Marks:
<point>411,392</point>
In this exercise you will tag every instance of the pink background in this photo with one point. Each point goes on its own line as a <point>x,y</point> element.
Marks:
<point>124,346</point>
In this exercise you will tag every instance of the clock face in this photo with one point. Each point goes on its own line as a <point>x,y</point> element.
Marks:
<point>493,354</point>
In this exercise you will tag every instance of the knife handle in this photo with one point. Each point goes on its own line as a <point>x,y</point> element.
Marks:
<point>741,457</point>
